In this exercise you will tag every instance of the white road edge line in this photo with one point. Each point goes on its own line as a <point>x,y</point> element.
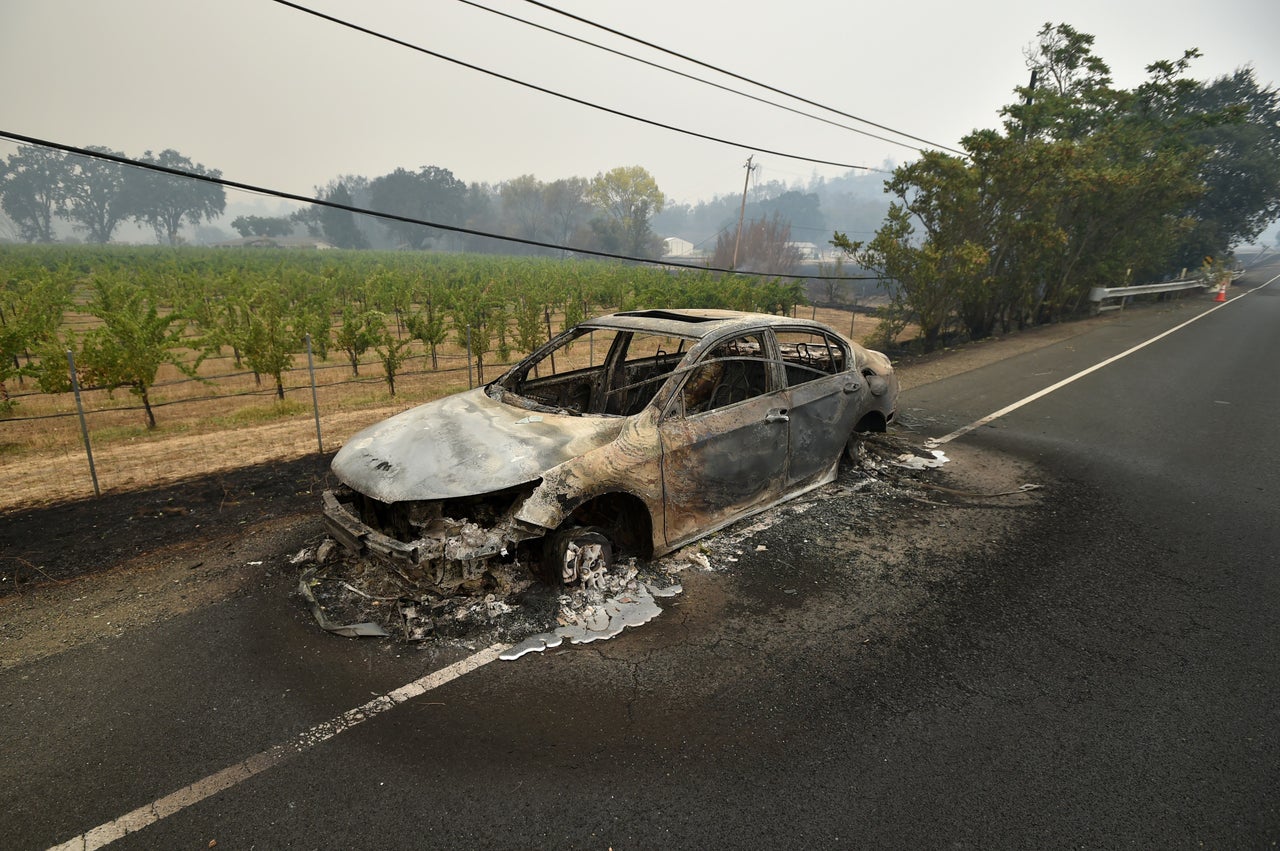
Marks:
<point>105,834</point>
<point>963,430</point>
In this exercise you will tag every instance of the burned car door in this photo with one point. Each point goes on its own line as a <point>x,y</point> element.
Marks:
<point>827,396</point>
<point>724,439</point>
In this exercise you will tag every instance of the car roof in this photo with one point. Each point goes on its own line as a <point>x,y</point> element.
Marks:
<point>695,323</point>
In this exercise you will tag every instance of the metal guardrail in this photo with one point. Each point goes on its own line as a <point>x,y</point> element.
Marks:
<point>1099,295</point>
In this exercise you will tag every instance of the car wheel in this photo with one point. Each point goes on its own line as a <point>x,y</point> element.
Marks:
<point>577,554</point>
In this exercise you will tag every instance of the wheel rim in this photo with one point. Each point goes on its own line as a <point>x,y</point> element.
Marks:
<point>584,556</point>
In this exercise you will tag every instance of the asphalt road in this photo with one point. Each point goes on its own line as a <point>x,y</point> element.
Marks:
<point>1096,668</point>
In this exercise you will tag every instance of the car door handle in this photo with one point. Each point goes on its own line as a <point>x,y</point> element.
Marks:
<point>777,416</point>
<point>852,387</point>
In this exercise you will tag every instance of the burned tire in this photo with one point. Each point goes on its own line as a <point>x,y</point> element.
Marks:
<point>576,554</point>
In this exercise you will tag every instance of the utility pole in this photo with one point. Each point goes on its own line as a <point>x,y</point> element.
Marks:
<point>742,211</point>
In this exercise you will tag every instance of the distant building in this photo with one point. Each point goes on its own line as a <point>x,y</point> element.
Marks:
<point>674,246</point>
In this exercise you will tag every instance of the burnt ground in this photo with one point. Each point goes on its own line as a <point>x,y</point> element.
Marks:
<point>75,572</point>
<point>55,543</point>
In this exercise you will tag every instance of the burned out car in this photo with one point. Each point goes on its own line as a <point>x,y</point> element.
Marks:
<point>636,432</point>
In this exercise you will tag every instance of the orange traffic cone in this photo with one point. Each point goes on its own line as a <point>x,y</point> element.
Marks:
<point>1222,293</point>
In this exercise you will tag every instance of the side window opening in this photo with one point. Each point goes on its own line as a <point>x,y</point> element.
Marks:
<point>810,355</point>
<point>643,369</point>
<point>732,372</point>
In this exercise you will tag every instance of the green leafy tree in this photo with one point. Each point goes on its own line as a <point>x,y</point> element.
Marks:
<point>472,326</point>
<point>33,190</point>
<point>391,293</point>
<point>392,352</point>
<point>165,202</point>
<point>913,274</point>
<point>628,197</point>
<point>1073,95</point>
<point>357,333</point>
<point>31,308</point>
<point>271,334</point>
<point>311,298</point>
<point>529,333</point>
<point>221,316</point>
<point>429,325</point>
<point>1085,183</point>
<point>136,337</point>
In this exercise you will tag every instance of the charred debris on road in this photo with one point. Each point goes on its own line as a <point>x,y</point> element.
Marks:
<point>502,600</point>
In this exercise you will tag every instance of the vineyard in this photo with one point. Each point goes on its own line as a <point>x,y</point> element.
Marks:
<point>197,360</point>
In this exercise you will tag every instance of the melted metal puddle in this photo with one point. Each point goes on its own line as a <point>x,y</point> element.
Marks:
<point>634,605</point>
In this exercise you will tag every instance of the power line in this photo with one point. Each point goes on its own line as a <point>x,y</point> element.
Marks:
<point>740,77</point>
<point>290,196</point>
<point>684,74</point>
<point>505,78</point>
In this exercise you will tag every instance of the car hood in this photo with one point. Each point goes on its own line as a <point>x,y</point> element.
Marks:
<point>464,445</point>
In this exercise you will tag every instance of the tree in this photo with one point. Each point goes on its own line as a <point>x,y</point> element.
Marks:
<point>135,338</point>
<point>100,194</point>
<point>802,210</point>
<point>392,352</point>
<point>921,277</point>
<point>272,333</point>
<point>1072,94</point>
<point>165,201</point>
<point>358,333</point>
<point>567,207</point>
<point>524,206</point>
<point>765,246</point>
<point>1241,173</point>
<point>430,194</point>
<point>472,325</point>
<point>834,290</point>
<point>529,312</point>
<point>1085,184</point>
<point>628,197</point>
<point>338,227</point>
<point>428,325</point>
<point>33,190</point>
<point>31,308</point>
<point>266,226</point>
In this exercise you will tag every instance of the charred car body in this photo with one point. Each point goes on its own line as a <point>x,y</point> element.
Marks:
<point>639,432</point>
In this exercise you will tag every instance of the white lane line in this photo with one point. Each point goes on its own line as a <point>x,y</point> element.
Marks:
<point>105,834</point>
<point>963,430</point>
